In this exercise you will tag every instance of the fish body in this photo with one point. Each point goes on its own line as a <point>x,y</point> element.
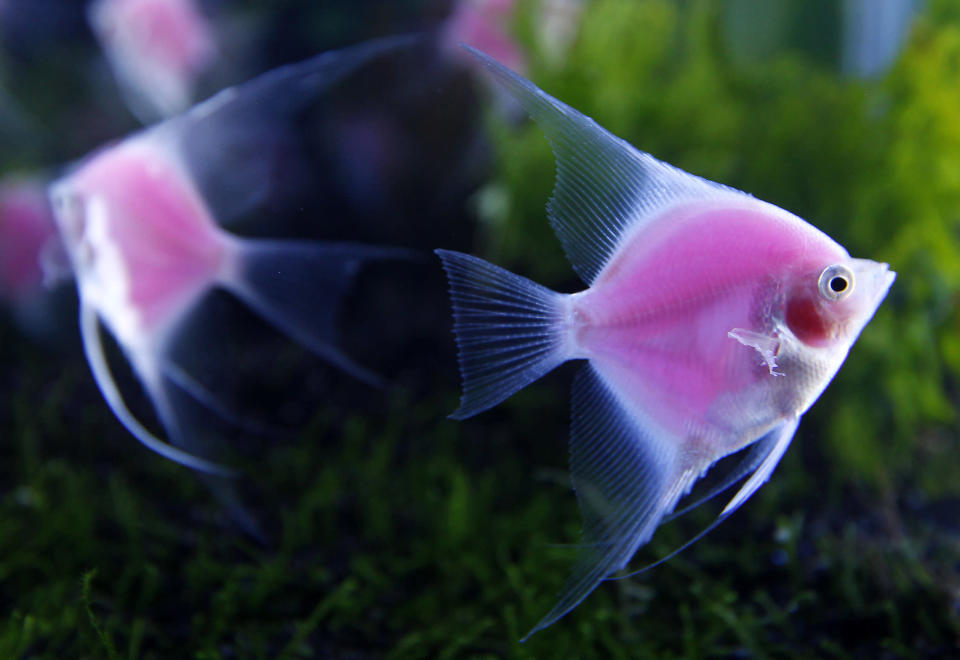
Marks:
<point>657,319</point>
<point>712,321</point>
<point>146,243</point>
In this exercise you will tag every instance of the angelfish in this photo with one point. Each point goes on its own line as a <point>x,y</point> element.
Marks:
<point>146,245</point>
<point>712,321</point>
<point>157,50</point>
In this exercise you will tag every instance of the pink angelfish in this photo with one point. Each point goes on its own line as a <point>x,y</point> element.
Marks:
<point>712,322</point>
<point>145,246</point>
<point>157,49</point>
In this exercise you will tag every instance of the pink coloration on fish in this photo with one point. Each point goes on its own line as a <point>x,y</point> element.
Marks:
<point>712,322</point>
<point>26,229</point>
<point>145,244</point>
<point>671,356</point>
<point>484,25</point>
<point>153,247</point>
<point>157,49</point>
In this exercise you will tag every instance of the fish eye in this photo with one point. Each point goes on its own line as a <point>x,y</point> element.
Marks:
<point>836,282</point>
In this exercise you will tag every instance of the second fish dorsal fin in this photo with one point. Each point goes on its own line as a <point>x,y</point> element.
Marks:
<point>604,186</point>
<point>246,130</point>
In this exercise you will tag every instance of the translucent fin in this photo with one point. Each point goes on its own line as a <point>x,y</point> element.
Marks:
<point>243,130</point>
<point>754,456</point>
<point>190,385</point>
<point>242,145</point>
<point>510,331</point>
<point>762,459</point>
<point>777,440</point>
<point>605,186</point>
<point>287,88</point>
<point>297,286</point>
<point>626,476</point>
<point>184,416</point>
<point>93,348</point>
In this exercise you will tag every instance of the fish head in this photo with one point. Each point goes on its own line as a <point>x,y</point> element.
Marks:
<point>141,241</point>
<point>69,216</point>
<point>73,217</point>
<point>831,303</point>
<point>101,277</point>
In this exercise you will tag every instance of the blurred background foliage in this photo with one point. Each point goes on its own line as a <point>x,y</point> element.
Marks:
<point>398,533</point>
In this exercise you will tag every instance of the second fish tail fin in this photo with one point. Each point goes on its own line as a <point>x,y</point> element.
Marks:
<point>510,331</point>
<point>298,286</point>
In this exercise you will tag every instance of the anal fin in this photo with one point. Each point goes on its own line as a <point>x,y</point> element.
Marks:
<point>626,475</point>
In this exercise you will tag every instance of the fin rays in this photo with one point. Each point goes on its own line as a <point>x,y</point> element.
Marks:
<point>755,455</point>
<point>605,187</point>
<point>759,463</point>
<point>625,476</point>
<point>509,330</point>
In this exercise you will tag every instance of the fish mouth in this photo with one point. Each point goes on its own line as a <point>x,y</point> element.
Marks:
<point>875,277</point>
<point>884,279</point>
<point>881,278</point>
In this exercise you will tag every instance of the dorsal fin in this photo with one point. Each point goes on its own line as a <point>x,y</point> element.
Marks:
<point>245,130</point>
<point>604,186</point>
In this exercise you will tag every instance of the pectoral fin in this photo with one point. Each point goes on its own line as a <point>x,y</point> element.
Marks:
<point>760,462</point>
<point>766,345</point>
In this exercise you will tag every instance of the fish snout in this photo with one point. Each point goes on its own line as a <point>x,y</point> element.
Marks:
<point>884,278</point>
<point>873,278</point>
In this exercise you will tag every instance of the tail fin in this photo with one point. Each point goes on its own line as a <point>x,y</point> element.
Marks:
<point>297,286</point>
<point>510,331</point>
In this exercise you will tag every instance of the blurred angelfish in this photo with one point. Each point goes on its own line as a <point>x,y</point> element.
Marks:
<point>26,233</point>
<point>145,245</point>
<point>712,322</point>
<point>32,260</point>
<point>157,50</point>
